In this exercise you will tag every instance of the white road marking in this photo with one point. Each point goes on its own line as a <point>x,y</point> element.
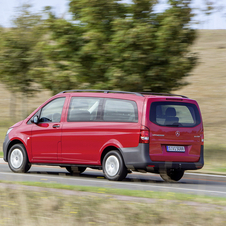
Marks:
<point>207,175</point>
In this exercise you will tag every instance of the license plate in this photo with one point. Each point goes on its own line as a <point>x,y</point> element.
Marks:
<point>175,148</point>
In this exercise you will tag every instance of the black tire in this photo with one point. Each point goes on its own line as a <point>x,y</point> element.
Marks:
<point>17,159</point>
<point>75,169</point>
<point>113,166</point>
<point>171,175</point>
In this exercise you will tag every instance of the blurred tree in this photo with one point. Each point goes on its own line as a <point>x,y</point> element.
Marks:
<point>17,55</point>
<point>111,45</point>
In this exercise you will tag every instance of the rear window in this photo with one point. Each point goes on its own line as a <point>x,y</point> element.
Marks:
<point>174,114</point>
<point>116,110</point>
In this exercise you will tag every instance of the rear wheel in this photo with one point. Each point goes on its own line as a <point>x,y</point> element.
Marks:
<point>17,159</point>
<point>75,169</point>
<point>171,175</point>
<point>113,166</point>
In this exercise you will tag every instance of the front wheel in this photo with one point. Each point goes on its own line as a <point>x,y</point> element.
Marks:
<point>171,175</point>
<point>113,166</point>
<point>18,160</point>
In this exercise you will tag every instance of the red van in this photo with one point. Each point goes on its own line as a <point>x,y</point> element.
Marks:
<point>116,131</point>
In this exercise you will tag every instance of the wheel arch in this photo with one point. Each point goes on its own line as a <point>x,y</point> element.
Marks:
<point>110,148</point>
<point>13,142</point>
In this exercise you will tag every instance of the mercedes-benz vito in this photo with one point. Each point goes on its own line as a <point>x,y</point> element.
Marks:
<point>116,131</point>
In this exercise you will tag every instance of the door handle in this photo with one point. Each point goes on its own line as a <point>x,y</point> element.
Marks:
<point>56,126</point>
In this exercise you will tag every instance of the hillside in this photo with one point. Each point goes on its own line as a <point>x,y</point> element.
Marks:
<point>207,86</point>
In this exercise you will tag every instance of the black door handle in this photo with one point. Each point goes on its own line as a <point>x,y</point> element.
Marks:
<point>56,126</point>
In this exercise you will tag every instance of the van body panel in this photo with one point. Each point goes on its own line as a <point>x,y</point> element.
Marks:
<point>21,133</point>
<point>82,141</point>
<point>45,139</point>
<point>138,158</point>
<point>162,136</point>
<point>163,131</point>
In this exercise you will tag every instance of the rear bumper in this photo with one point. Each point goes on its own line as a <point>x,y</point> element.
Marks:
<point>138,159</point>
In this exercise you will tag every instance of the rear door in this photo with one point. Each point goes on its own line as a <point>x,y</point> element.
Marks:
<point>176,130</point>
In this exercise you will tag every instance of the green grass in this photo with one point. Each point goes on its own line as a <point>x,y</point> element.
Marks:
<point>215,158</point>
<point>24,206</point>
<point>219,170</point>
<point>125,192</point>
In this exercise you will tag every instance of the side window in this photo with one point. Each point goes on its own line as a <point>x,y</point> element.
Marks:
<point>116,110</point>
<point>83,109</point>
<point>52,111</point>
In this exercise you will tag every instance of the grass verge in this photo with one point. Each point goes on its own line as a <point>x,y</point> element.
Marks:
<point>125,192</point>
<point>44,207</point>
<point>215,159</point>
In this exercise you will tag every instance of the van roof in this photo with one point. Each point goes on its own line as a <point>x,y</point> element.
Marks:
<point>142,94</point>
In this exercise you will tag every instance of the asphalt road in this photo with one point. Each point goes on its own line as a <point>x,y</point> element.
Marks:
<point>201,184</point>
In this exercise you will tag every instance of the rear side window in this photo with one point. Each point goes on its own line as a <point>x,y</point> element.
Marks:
<point>83,109</point>
<point>116,110</point>
<point>174,114</point>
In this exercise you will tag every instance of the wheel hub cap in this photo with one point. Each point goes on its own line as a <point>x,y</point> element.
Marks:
<point>16,158</point>
<point>112,165</point>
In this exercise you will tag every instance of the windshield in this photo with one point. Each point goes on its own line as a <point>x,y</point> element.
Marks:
<point>174,114</point>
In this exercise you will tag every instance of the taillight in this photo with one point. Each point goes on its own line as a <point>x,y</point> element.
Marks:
<point>202,139</point>
<point>144,135</point>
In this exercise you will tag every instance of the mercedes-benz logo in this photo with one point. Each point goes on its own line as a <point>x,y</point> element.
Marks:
<point>177,133</point>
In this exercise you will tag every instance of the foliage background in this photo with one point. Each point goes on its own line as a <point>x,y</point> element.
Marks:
<point>94,56</point>
<point>111,45</point>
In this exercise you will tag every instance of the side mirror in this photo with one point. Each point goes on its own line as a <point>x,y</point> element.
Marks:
<point>35,119</point>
